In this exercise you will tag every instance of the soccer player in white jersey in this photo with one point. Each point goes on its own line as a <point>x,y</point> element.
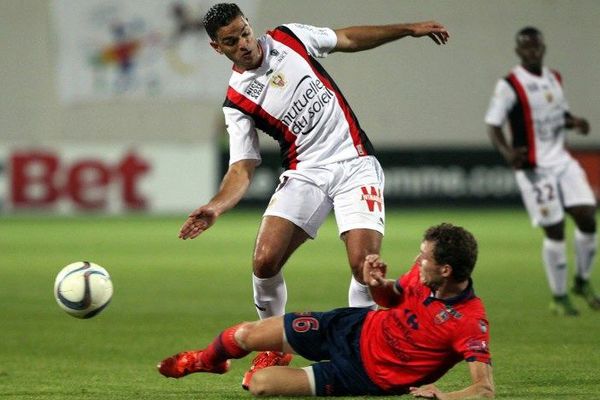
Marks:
<point>531,98</point>
<point>277,86</point>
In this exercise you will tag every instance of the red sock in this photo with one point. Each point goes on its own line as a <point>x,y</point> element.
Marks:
<point>223,347</point>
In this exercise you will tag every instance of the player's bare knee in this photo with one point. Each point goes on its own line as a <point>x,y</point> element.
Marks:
<point>243,335</point>
<point>265,265</point>
<point>260,385</point>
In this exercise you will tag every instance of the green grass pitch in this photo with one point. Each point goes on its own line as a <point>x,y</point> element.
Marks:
<point>172,295</point>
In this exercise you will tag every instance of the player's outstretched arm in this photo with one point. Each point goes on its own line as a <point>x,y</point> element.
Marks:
<point>482,387</point>
<point>359,38</point>
<point>234,185</point>
<point>382,290</point>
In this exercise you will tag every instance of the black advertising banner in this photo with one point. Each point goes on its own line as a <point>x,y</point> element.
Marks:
<point>424,177</point>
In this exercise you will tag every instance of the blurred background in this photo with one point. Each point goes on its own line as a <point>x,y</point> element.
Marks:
<point>112,106</point>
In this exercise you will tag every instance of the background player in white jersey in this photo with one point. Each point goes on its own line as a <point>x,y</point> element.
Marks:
<point>278,87</point>
<point>551,182</point>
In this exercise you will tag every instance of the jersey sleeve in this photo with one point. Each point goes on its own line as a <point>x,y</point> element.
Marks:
<point>502,101</point>
<point>472,340</point>
<point>318,41</point>
<point>243,138</point>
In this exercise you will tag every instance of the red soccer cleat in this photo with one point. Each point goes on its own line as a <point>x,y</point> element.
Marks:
<point>188,362</point>
<point>263,360</point>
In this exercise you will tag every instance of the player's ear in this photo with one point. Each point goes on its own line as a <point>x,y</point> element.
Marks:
<point>446,270</point>
<point>216,46</point>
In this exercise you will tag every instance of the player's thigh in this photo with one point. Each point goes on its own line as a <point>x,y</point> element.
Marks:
<point>541,196</point>
<point>277,239</point>
<point>282,381</point>
<point>575,187</point>
<point>262,335</point>
<point>300,202</point>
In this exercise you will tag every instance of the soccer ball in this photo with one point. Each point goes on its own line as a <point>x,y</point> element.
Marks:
<point>83,289</point>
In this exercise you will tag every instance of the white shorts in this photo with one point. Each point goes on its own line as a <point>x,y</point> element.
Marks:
<point>353,188</point>
<point>546,192</point>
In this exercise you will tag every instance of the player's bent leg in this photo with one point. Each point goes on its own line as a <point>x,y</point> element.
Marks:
<point>586,247</point>
<point>277,239</point>
<point>263,335</point>
<point>554,256</point>
<point>359,244</point>
<point>280,381</point>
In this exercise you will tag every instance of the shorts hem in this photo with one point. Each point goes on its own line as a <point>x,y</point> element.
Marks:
<point>349,227</point>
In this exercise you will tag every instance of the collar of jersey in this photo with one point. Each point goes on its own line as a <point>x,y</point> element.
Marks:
<point>463,296</point>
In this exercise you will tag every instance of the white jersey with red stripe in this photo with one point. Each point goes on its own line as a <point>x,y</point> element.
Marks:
<point>292,99</point>
<point>535,107</point>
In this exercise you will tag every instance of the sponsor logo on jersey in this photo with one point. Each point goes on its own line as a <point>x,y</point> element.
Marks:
<point>533,87</point>
<point>278,80</point>
<point>310,99</point>
<point>372,196</point>
<point>279,54</point>
<point>453,312</point>
<point>441,317</point>
<point>255,89</point>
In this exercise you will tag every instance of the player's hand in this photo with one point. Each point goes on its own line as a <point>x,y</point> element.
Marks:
<point>427,392</point>
<point>374,270</point>
<point>197,222</point>
<point>517,157</point>
<point>581,125</point>
<point>436,31</point>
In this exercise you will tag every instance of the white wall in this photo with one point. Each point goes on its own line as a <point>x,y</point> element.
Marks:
<point>407,93</point>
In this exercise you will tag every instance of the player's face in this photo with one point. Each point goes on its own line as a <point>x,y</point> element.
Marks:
<point>531,49</point>
<point>237,42</point>
<point>431,273</point>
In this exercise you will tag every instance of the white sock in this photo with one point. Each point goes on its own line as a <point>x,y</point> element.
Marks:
<point>585,251</point>
<point>554,254</point>
<point>270,295</point>
<point>359,295</point>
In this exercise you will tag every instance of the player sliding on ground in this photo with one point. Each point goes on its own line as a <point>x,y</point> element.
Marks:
<point>432,321</point>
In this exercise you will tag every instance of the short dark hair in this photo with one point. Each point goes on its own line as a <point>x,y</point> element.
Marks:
<point>529,31</point>
<point>454,246</point>
<point>220,15</point>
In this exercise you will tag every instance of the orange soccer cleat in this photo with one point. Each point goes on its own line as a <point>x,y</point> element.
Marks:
<point>263,360</point>
<point>188,362</point>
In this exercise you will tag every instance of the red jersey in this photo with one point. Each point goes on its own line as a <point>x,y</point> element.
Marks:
<point>421,338</point>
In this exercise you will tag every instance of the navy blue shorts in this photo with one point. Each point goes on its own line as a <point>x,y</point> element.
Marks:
<point>333,336</point>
